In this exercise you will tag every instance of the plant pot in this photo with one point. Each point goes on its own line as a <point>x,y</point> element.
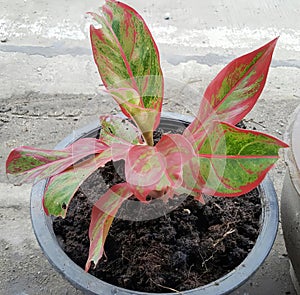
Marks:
<point>290,198</point>
<point>43,229</point>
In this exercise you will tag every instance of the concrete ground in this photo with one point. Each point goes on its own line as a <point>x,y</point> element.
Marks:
<point>49,86</point>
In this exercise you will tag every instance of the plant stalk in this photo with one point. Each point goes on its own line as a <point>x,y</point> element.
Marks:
<point>148,137</point>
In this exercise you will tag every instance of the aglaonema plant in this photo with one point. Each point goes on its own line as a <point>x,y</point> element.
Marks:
<point>212,156</point>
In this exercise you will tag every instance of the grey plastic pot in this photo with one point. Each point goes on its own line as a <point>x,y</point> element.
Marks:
<point>42,225</point>
<point>290,198</point>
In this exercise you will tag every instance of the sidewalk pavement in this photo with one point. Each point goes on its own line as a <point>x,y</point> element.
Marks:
<point>49,87</point>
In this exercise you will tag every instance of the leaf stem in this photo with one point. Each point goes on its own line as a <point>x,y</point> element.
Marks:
<point>148,136</point>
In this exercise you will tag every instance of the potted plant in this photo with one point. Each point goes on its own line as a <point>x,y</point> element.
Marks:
<point>290,201</point>
<point>210,157</point>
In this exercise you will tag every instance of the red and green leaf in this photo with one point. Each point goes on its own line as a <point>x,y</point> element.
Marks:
<point>177,151</point>
<point>193,182</point>
<point>145,118</point>
<point>127,58</point>
<point>235,90</point>
<point>61,188</point>
<point>157,168</point>
<point>146,170</point>
<point>144,167</point>
<point>233,161</point>
<point>28,163</point>
<point>115,129</point>
<point>103,213</point>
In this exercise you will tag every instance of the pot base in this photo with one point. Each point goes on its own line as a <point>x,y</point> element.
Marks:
<point>294,279</point>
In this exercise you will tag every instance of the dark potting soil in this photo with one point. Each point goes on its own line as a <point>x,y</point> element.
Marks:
<point>187,246</point>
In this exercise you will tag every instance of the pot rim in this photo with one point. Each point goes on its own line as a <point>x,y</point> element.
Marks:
<point>292,154</point>
<point>43,230</point>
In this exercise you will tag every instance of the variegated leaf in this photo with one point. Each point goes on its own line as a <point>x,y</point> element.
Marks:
<point>177,151</point>
<point>31,163</point>
<point>235,90</point>
<point>145,118</point>
<point>115,129</point>
<point>192,180</point>
<point>144,166</point>
<point>103,214</point>
<point>127,57</point>
<point>61,188</point>
<point>233,161</point>
<point>159,168</point>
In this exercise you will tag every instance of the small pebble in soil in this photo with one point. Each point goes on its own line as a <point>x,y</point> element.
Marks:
<point>187,211</point>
